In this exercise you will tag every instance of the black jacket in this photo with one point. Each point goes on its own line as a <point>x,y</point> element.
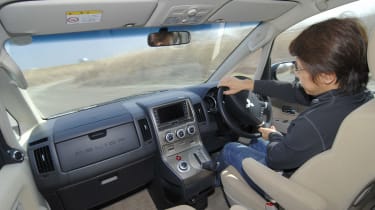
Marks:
<point>314,130</point>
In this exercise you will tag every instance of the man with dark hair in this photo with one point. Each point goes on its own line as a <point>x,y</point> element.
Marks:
<point>160,39</point>
<point>164,38</point>
<point>331,65</point>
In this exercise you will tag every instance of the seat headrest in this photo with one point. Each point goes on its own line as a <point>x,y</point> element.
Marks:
<point>371,54</point>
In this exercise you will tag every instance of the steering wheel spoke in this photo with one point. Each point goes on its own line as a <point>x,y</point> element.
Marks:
<point>244,108</point>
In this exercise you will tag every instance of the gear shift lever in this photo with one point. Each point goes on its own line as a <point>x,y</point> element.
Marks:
<point>210,165</point>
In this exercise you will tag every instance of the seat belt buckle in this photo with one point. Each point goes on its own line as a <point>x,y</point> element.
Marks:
<point>270,206</point>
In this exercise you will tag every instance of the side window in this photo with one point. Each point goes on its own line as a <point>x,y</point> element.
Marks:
<point>363,9</point>
<point>15,126</point>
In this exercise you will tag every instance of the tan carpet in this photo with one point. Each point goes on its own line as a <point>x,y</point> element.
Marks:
<point>139,201</point>
<point>143,201</point>
<point>216,201</point>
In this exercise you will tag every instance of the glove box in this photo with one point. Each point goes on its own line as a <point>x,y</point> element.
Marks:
<point>96,146</point>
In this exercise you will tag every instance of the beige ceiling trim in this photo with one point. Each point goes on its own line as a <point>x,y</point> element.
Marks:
<point>252,10</point>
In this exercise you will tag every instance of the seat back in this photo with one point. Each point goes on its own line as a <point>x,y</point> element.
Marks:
<point>342,173</point>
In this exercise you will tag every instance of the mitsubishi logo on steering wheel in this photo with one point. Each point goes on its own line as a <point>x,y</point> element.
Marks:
<point>248,103</point>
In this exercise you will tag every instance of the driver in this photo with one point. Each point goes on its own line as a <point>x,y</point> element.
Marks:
<point>331,65</point>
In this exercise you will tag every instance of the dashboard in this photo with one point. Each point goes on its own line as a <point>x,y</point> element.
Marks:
<point>83,159</point>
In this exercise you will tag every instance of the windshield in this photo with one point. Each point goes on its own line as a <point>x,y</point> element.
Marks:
<point>68,72</point>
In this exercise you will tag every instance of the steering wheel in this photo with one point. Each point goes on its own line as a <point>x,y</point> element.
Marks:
<point>244,109</point>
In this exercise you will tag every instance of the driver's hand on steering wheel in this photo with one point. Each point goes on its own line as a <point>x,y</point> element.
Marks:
<point>266,131</point>
<point>235,85</point>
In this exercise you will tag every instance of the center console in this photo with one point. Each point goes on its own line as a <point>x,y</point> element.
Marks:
<point>182,154</point>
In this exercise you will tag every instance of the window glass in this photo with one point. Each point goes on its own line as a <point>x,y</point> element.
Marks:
<point>15,126</point>
<point>91,68</point>
<point>248,66</point>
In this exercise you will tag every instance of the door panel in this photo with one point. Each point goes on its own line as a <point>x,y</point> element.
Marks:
<point>18,190</point>
<point>283,113</point>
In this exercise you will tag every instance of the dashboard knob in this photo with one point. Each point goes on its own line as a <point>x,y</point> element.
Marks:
<point>191,129</point>
<point>169,137</point>
<point>183,166</point>
<point>180,133</point>
<point>16,155</point>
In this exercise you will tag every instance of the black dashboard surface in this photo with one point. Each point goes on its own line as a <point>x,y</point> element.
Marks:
<point>76,130</point>
<point>80,146</point>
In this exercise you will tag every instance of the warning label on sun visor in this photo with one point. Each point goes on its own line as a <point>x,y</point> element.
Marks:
<point>84,16</point>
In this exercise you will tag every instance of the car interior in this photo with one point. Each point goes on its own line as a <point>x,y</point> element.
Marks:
<point>115,105</point>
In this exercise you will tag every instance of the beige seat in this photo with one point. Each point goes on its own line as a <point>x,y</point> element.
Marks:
<point>340,178</point>
<point>181,207</point>
<point>186,207</point>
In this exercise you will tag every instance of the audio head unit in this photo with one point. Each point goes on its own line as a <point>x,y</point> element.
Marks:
<point>169,115</point>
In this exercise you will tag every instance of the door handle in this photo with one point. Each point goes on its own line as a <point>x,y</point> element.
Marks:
<point>288,109</point>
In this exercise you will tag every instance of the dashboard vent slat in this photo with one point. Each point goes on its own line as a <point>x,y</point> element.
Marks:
<point>43,159</point>
<point>199,112</point>
<point>38,141</point>
<point>145,129</point>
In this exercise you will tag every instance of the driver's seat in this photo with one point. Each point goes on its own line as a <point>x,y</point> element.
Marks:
<point>340,178</point>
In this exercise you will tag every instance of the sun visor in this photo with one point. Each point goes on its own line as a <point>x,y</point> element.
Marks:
<point>252,10</point>
<point>61,16</point>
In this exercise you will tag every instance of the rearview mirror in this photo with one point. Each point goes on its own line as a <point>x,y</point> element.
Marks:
<point>168,38</point>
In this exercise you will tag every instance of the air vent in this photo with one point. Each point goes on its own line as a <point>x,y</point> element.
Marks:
<point>43,159</point>
<point>199,113</point>
<point>145,129</point>
<point>38,141</point>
